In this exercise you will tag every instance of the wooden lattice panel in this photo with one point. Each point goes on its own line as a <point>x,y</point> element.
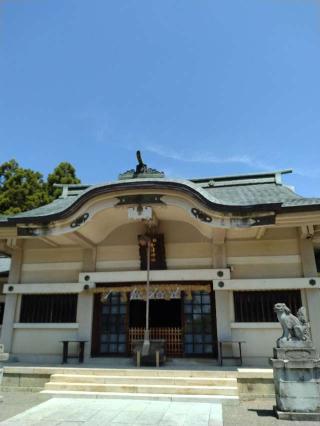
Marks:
<point>172,336</point>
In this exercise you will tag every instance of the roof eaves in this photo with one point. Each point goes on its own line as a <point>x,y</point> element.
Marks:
<point>67,208</point>
<point>182,185</point>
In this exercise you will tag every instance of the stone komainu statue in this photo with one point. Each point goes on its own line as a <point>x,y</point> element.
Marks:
<point>294,328</point>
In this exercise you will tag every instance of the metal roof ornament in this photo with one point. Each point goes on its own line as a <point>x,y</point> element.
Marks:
<point>141,171</point>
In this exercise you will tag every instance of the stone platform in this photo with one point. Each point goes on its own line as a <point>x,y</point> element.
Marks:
<point>179,378</point>
<point>296,415</point>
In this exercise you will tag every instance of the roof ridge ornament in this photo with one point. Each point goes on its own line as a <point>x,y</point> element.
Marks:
<point>141,171</point>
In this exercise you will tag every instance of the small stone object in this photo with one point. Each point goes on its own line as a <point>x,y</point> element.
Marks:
<point>296,368</point>
<point>156,345</point>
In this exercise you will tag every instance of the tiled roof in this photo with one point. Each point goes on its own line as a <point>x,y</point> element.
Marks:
<point>255,192</point>
<point>56,206</point>
<point>266,193</point>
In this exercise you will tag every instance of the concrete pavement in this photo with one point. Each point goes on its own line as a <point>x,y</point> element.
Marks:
<point>99,412</point>
<point>117,412</point>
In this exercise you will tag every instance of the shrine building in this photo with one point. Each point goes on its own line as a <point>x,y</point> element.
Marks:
<point>224,250</point>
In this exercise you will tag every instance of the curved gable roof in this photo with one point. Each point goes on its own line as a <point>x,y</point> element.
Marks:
<point>230,194</point>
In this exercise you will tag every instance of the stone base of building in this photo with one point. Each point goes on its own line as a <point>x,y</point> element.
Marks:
<point>294,415</point>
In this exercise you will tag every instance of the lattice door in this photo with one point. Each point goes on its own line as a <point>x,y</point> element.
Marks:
<point>172,336</point>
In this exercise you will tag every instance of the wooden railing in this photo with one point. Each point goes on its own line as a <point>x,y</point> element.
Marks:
<point>172,336</point>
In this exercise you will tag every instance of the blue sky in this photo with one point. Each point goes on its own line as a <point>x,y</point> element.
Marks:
<point>202,87</point>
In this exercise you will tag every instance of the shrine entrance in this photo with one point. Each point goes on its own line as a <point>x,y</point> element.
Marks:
<point>165,323</point>
<point>184,317</point>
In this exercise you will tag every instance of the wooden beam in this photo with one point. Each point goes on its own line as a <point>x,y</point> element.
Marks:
<point>308,260</point>
<point>4,248</point>
<point>218,235</point>
<point>48,241</point>
<point>80,239</point>
<point>306,232</point>
<point>218,247</point>
<point>89,259</point>
<point>16,263</point>
<point>260,233</point>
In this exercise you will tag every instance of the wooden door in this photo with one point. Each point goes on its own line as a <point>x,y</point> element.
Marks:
<point>199,325</point>
<point>109,329</point>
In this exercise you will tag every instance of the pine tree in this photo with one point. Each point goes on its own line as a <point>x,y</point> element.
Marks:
<point>20,189</point>
<point>64,173</point>
<point>25,189</point>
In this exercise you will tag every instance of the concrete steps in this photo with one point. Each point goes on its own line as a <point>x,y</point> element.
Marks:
<point>218,399</point>
<point>141,380</point>
<point>139,388</point>
<point>183,385</point>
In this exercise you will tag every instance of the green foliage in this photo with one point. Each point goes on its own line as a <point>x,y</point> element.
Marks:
<point>24,189</point>
<point>20,189</point>
<point>64,173</point>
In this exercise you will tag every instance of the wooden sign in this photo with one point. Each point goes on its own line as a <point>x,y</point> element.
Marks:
<point>157,253</point>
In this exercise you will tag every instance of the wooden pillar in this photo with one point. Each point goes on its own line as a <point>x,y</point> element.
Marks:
<point>308,259</point>
<point>84,319</point>
<point>89,257</point>
<point>309,269</point>
<point>222,297</point>
<point>219,258</point>
<point>85,302</point>
<point>11,299</point>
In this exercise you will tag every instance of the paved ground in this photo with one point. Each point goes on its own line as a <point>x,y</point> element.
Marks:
<point>105,412</point>
<point>17,402</point>
<point>117,412</point>
<point>256,413</point>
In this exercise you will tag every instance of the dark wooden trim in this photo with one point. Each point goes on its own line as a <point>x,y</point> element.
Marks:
<point>214,324</point>
<point>96,326</point>
<point>1,312</point>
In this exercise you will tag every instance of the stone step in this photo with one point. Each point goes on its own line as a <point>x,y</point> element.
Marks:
<point>221,399</point>
<point>157,372</point>
<point>143,388</point>
<point>185,381</point>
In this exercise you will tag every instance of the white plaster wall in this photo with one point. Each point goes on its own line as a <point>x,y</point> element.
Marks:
<point>50,264</point>
<point>43,342</point>
<point>50,275</point>
<point>260,340</point>
<point>185,246</point>
<point>275,255</point>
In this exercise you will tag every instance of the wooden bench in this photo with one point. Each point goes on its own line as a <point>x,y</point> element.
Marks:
<point>65,350</point>
<point>230,342</point>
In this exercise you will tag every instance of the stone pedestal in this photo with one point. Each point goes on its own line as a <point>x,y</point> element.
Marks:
<point>155,346</point>
<point>296,372</point>
<point>3,357</point>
